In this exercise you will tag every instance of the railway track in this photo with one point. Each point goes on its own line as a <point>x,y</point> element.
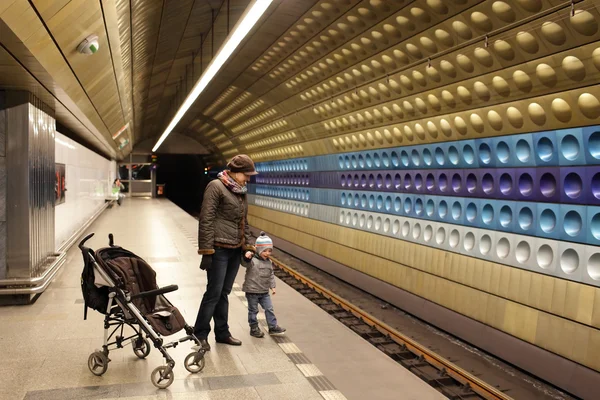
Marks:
<point>440,373</point>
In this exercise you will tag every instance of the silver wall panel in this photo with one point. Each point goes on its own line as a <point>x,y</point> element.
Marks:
<point>30,185</point>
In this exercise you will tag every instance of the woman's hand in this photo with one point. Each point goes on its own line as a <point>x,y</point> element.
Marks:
<point>273,291</point>
<point>206,262</point>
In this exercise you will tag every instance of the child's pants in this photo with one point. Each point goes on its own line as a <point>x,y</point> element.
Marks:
<point>264,299</point>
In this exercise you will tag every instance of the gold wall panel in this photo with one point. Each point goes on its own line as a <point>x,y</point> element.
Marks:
<point>544,292</point>
<point>363,85</point>
<point>523,116</point>
<point>340,244</point>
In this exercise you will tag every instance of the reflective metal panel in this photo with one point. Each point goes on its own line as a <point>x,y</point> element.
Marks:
<point>30,185</point>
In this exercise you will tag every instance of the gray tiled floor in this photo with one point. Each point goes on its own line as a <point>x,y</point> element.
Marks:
<point>45,346</point>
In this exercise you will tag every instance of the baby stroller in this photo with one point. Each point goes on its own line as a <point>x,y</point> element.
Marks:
<point>122,286</point>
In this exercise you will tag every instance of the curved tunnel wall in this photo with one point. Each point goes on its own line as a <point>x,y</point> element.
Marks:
<point>396,140</point>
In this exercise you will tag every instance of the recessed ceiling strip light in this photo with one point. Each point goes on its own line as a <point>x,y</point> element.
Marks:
<point>252,14</point>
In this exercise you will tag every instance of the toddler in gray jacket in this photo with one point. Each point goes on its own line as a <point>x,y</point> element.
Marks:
<point>257,283</point>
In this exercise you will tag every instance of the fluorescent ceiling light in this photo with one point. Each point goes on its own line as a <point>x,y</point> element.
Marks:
<point>247,21</point>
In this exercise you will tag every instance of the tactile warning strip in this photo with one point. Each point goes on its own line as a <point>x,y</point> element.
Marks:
<point>309,370</point>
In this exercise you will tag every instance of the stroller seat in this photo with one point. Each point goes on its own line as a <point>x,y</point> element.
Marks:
<point>138,277</point>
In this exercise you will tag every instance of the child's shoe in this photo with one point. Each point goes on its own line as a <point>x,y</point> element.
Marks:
<point>276,330</point>
<point>256,332</point>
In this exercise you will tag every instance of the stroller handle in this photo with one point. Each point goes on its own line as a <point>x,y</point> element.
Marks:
<point>85,239</point>
<point>156,292</point>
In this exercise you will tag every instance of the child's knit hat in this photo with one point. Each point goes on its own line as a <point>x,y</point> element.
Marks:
<point>263,242</point>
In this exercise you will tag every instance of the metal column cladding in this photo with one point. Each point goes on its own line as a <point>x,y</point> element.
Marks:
<point>30,185</point>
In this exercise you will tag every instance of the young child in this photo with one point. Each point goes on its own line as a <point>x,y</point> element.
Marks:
<point>259,279</point>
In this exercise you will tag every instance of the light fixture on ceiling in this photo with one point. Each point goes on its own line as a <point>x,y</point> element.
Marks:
<point>246,22</point>
<point>89,45</point>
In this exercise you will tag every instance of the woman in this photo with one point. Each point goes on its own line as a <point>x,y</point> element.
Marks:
<point>223,233</point>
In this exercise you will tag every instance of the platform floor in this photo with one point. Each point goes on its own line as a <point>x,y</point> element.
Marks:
<point>44,346</point>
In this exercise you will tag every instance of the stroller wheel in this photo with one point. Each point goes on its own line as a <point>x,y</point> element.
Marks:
<point>160,378</point>
<point>194,362</point>
<point>98,363</point>
<point>143,349</point>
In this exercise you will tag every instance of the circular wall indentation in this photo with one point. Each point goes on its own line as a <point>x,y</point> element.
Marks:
<point>471,212</point>
<point>487,214</point>
<point>553,33</point>
<point>430,182</point>
<point>487,183</point>
<point>593,266</point>
<point>506,184</point>
<point>527,42</point>
<point>485,153</point>
<point>456,210</point>
<point>514,117</point>
<point>572,223</point>
<point>545,149</point>
<point>594,145</point>
<point>573,185</point>
<point>503,248</point>
<point>443,209</point>
<point>548,220</point>
<point>407,205</point>
<point>537,114</point>
<point>506,216</point>
<point>545,256</point>
<point>584,23</point>
<point>405,229</point>
<point>454,238</point>
<point>469,241</point>
<point>397,204</point>
<point>573,68</point>
<point>502,152</point>
<point>462,30</point>
<point>427,159</point>
<point>525,185</point>
<point>430,208</point>
<point>548,184</point>
<point>472,183</point>
<point>469,153</point>
<point>523,150</point>
<point>419,207</point>
<point>595,226</point>
<point>443,182</point>
<point>440,236</point>
<point>561,110</point>
<point>439,156</point>
<point>569,261</point>
<point>596,185</point>
<point>569,147</point>
<point>453,155</point>
<point>523,83</point>
<point>428,234</point>
<point>525,218</point>
<point>589,105</point>
<point>485,244</point>
<point>523,252</point>
<point>456,183</point>
<point>396,227</point>
<point>503,11</point>
<point>417,231</point>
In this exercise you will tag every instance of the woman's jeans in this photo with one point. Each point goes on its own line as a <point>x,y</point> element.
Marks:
<point>215,305</point>
<point>264,299</point>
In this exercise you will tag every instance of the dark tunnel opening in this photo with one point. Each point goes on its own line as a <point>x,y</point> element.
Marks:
<point>184,179</point>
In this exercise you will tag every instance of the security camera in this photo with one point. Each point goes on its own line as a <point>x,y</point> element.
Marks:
<point>89,45</point>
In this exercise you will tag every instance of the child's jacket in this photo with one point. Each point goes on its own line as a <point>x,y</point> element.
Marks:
<point>259,276</point>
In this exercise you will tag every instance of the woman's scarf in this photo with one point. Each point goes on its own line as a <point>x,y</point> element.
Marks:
<point>231,184</point>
